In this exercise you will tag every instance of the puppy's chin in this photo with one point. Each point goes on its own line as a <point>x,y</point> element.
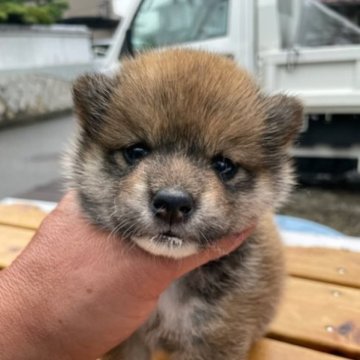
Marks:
<point>167,246</point>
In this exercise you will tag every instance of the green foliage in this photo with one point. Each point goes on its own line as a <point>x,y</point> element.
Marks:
<point>31,12</point>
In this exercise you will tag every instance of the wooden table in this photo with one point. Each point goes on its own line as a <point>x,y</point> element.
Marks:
<point>319,318</point>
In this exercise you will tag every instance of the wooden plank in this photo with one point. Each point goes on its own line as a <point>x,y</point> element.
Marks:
<point>275,350</point>
<point>321,316</point>
<point>267,349</point>
<point>21,215</point>
<point>12,242</point>
<point>314,314</point>
<point>329,265</point>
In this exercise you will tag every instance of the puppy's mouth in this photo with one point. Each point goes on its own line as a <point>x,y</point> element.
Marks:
<point>166,244</point>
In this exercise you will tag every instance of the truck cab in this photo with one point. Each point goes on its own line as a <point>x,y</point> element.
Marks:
<point>298,47</point>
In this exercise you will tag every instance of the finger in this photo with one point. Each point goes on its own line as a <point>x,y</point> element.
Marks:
<point>69,203</point>
<point>222,248</point>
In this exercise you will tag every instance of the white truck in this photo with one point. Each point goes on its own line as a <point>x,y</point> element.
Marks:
<point>295,46</point>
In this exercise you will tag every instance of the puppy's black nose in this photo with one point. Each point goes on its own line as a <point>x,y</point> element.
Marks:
<point>172,206</point>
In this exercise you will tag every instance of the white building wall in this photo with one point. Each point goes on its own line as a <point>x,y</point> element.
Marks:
<point>43,46</point>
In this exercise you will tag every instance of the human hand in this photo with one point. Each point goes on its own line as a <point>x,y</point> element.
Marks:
<point>76,291</point>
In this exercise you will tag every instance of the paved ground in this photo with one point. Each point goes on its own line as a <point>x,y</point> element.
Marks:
<point>30,168</point>
<point>30,154</point>
<point>338,208</point>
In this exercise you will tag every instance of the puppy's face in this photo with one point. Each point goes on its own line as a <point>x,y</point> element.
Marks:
<point>180,149</point>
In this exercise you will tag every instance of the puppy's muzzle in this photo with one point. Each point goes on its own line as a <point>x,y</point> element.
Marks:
<point>172,206</point>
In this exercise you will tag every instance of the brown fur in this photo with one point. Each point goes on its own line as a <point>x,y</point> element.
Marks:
<point>160,355</point>
<point>189,107</point>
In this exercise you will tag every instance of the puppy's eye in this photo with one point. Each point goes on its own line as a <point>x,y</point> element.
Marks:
<point>224,167</point>
<point>135,153</point>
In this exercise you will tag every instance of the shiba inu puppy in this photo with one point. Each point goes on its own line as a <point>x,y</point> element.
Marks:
<point>177,150</point>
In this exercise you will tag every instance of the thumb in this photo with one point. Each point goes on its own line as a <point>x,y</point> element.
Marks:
<point>223,247</point>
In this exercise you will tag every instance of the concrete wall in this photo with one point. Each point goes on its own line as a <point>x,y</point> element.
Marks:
<point>25,97</point>
<point>37,67</point>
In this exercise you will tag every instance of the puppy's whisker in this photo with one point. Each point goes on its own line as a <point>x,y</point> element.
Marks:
<point>203,236</point>
<point>112,233</point>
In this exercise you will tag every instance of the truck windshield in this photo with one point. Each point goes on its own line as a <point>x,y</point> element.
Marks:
<point>167,22</point>
<point>318,25</point>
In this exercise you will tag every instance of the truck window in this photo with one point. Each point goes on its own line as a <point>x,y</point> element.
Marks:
<point>309,23</point>
<point>167,22</point>
<point>321,26</point>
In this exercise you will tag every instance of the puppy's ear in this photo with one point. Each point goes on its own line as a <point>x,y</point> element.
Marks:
<point>284,120</point>
<point>91,96</point>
